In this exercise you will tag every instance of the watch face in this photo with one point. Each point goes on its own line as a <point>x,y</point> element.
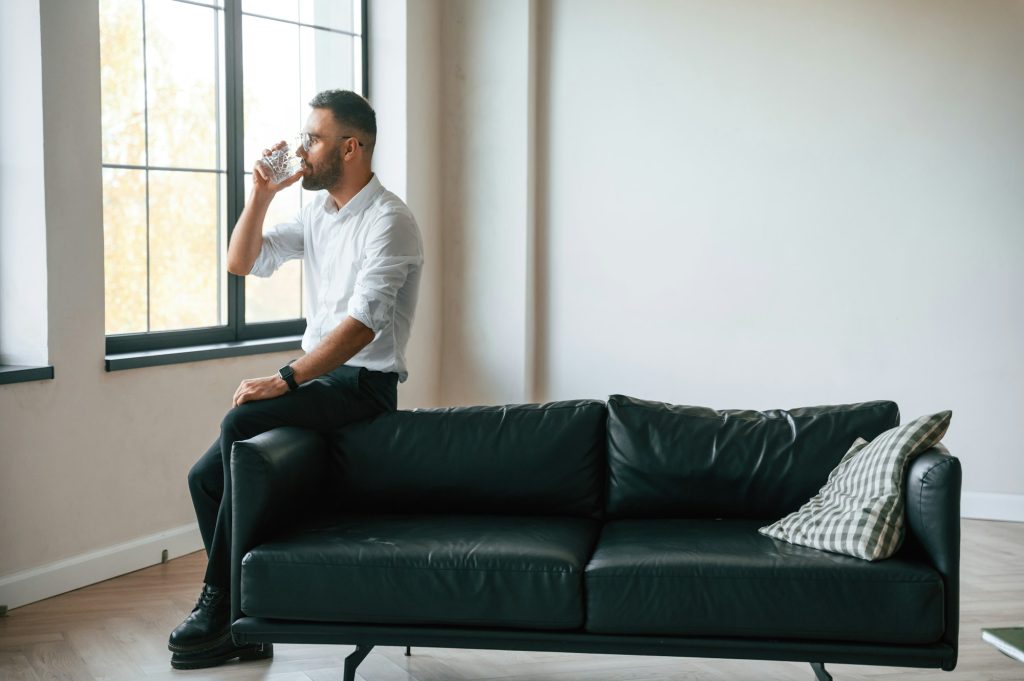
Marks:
<point>287,373</point>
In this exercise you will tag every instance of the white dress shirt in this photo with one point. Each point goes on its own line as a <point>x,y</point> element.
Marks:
<point>363,261</point>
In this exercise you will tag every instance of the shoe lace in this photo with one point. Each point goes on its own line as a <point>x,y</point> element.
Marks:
<point>209,598</point>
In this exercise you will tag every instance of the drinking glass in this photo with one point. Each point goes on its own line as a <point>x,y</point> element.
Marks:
<point>282,163</point>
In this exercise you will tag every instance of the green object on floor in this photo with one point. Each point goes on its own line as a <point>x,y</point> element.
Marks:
<point>1009,641</point>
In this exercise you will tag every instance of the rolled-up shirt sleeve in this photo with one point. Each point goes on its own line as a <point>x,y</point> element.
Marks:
<point>393,250</point>
<point>281,243</point>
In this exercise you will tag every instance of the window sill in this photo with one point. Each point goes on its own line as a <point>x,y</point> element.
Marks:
<point>198,353</point>
<point>16,373</point>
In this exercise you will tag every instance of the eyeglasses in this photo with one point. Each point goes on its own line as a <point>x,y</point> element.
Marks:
<point>308,139</point>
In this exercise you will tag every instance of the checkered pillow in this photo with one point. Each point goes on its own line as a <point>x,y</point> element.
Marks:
<point>859,511</point>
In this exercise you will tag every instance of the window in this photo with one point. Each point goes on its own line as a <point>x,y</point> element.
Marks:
<point>192,91</point>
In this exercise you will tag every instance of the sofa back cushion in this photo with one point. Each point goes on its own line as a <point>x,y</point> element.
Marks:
<point>528,459</point>
<point>671,461</point>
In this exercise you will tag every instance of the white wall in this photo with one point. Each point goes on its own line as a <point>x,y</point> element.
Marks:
<point>93,465</point>
<point>747,205</point>
<point>767,205</point>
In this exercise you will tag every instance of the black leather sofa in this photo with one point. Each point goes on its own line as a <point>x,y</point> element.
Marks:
<point>626,527</point>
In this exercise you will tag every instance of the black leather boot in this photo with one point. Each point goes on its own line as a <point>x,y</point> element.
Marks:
<point>208,626</point>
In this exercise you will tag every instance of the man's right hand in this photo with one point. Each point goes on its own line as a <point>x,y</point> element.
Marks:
<point>262,186</point>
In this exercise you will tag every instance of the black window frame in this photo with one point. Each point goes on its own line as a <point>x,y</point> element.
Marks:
<point>236,330</point>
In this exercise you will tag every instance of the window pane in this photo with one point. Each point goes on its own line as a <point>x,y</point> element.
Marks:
<point>276,298</point>
<point>357,61</point>
<point>182,67</point>
<point>279,296</point>
<point>184,251</point>
<point>163,78</point>
<point>222,280</point>
<point>281,9</point>
<point>124,250</point>
<point>273,109</point>
<point>222,121</point>
<point>336,14</point>
<point>326,62</point>
<point>121,81</point>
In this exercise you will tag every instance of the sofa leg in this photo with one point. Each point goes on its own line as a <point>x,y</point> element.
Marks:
<point>353,660</point>
<point>819,671</point>
<point>407,653</point>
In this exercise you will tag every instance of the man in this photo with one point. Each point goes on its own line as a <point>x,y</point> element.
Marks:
<point>362,256</point>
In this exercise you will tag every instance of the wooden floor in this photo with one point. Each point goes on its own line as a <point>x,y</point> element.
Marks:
<point>117,630</point>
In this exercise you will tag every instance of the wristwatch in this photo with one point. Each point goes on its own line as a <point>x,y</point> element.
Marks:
<point>288,374</point>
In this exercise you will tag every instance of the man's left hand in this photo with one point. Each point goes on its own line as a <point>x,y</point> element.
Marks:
<point>266,388</point>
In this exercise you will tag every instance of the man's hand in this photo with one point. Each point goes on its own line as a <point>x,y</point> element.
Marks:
<point>266,388</point>
<point>261,183</point>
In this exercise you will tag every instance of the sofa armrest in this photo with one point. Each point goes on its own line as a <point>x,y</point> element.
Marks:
<point>933,517</point>
<point>276,478</point>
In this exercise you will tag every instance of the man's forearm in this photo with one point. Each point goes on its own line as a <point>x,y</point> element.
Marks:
<point>247,236</point>
<point>340,345</point>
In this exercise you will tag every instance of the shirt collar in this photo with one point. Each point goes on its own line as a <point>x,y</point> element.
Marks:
<point>357,203</point>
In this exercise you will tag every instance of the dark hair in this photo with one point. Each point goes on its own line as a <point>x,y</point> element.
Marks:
<point>351,110</point>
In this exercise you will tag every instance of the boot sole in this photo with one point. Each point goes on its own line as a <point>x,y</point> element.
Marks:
<point>202,647</point>
<point>257,651</point>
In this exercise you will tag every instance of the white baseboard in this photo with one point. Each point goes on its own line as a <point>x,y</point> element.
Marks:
<point>989,506</point>
<point>65,575</point>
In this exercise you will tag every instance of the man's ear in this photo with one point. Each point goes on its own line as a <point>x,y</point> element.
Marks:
<point>351,145</point>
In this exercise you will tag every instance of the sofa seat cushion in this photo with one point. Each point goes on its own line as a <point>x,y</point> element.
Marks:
<point>488,571</point>
<point>723,578</point>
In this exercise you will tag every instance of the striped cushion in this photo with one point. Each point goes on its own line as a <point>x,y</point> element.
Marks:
<point>859,511</point>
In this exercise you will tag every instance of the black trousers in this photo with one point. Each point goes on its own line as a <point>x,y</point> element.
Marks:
<point>342,396</point>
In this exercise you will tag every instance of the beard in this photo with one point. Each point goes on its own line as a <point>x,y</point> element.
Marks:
<point>327,177</point>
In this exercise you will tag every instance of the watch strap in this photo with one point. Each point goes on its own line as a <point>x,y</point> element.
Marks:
<point>288,374</point>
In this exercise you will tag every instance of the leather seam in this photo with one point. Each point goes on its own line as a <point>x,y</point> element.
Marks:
<point>801,578</point>
<point>403,567</point>
<point>762,417</point>
<point>498,409</point>
<point>819,635</point>
<point>545,626</point>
